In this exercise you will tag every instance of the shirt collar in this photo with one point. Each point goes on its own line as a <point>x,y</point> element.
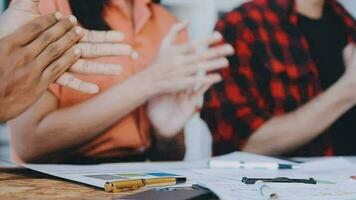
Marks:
<point>142,11</point>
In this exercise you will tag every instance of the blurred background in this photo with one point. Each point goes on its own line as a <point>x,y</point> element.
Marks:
<point>202,14</point>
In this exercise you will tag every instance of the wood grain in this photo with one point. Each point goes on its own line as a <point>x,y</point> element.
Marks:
<point>21,184</point>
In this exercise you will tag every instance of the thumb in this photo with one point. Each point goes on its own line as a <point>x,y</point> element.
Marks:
<point>174,32</point>
<point>349,52</point>
<point>31,6</point>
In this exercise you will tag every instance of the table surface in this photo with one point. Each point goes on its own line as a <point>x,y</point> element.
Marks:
<point>19,183</point>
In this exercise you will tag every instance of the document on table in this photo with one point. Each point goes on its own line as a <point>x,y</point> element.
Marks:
<point>334,176</point>
<point>98,175</point>
<point>232,190</point>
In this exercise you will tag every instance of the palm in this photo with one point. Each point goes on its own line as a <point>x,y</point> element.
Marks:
<point>168,113</point>
<point>19,13</point>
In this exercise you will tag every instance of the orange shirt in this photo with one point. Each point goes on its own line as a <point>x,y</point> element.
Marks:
<point>131,135</point>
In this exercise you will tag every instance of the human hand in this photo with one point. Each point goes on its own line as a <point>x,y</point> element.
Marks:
<point>176,66</point>
<point>349,76</point>
<point>169,111</point>
<point>93,44</point>
<point>350,58</point>
<point>29,64</point>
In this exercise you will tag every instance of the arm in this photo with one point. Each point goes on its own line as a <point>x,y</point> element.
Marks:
<point>53,131</point>
<point>286,133</point>
<point>237,118</point>
<point>297,128</point>
<point>243,123</point>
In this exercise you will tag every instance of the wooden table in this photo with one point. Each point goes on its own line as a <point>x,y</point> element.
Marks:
<point>19,183</point>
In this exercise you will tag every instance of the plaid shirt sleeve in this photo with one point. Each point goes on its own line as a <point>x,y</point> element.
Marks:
<point>235,108</point>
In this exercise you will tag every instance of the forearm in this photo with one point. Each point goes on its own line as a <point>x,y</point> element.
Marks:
<point>286,133</point>
<point>69,127</point>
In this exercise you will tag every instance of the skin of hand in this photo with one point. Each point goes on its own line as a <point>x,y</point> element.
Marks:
<point>177,102</point>
<point>350,63</point>
<point>93,44</point>
<point>28,65</point>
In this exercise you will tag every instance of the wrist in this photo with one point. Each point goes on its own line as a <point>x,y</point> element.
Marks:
<point>346,88</point>
<point>146,80</point>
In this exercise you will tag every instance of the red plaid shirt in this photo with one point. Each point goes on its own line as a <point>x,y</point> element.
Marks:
<point>271,74</point>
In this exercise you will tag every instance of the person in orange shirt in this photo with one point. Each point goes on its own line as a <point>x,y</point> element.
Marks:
<point>140,113</point>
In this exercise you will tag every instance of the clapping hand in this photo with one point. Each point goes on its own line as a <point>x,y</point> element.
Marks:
<point>92,44</point>
<point>175,75</point>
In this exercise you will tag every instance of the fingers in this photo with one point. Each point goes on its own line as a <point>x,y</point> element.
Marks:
<point>52,34</point>
<point>191,82</point>
<point>30,31</point>
<point>57,68</point>
<point>67,79</point>
<point>205,42</point>
<point>206,80</point>
<point>88,67</point>
<point>174,32</point>
<point>211,53</point>
<point>90,50</point>
<point>56,49</point>
<point>196,96</point>
<point>71,81</point>
<point>102,36</point>
<point>206,66</point>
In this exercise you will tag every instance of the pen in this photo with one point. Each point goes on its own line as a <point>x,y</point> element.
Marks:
<point>266,191</point>
<point>249,165</point>
<point>132,184</point>
<point>278,180</point>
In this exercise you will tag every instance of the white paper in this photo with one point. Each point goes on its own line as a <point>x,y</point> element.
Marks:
<point>250,157</point>
<point>333,174</point>
<point>84,173</point>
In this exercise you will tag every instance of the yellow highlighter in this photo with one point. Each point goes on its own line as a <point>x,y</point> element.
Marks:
<point>133,184</point>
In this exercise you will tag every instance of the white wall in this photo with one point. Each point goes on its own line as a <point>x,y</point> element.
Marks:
<point>350,5</point>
